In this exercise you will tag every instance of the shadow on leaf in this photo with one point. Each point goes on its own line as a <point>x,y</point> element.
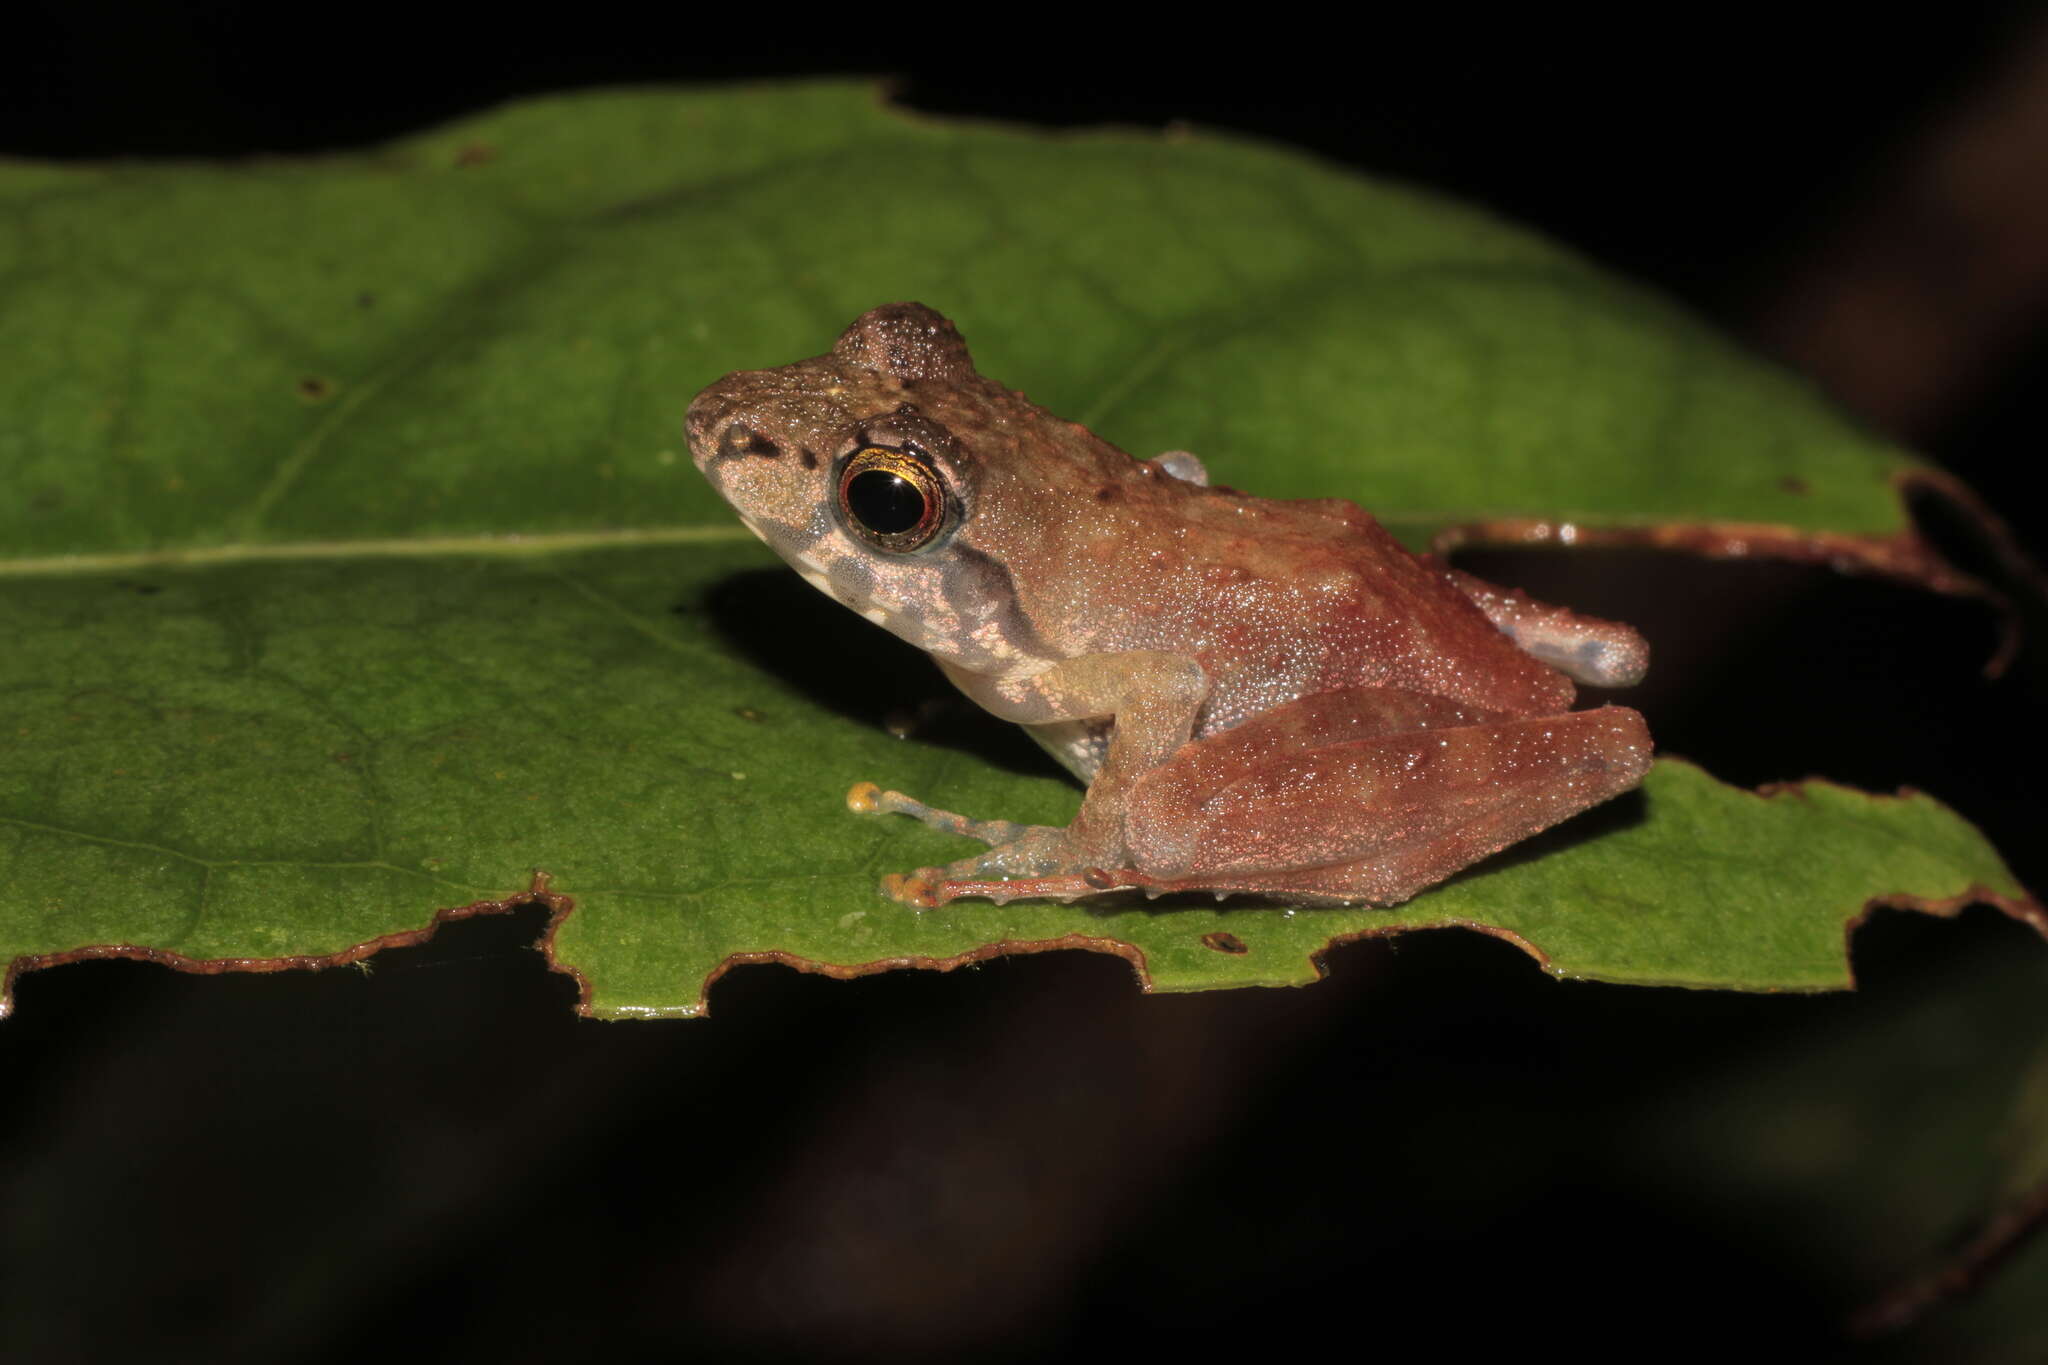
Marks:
<point>1611,817</point>
<point>816,647</point>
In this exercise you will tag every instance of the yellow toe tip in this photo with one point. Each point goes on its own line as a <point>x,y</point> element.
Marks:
<point>911,889</point>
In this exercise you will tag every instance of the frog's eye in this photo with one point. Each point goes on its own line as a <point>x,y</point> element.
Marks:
<point>891,498</point>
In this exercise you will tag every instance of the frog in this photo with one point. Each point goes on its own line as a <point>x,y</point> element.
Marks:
<point>1271,698</point>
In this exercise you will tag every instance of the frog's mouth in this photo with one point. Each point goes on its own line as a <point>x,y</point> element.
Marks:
<point>851,581</point>
<point>773,487</point>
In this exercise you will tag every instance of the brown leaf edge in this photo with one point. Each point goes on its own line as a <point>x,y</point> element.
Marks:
<point>1977,1254</point>
<point>537,892</point>
<point>1905,557</point>
<point>2023,908</point>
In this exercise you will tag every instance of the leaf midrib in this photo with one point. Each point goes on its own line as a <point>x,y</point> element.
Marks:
<point>514,545</point>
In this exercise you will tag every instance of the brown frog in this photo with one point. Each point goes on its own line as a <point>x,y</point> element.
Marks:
<point>1269,697</point>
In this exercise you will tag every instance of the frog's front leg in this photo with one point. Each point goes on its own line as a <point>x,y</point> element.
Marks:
<point>1152,697</point>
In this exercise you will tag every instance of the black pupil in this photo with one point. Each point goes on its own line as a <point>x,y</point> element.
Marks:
<point>887,504</point>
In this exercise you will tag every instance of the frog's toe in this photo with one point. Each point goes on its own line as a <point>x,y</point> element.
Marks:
<point>930,887</point>
<point>913,889</point>
<point>1030,851</point>
<point>866,798</point>
<point>1041,863</point>
<point>1062,886</point>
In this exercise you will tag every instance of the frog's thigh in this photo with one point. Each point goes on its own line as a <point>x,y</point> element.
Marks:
<point>1376,818</point>
<point>1326,718</point>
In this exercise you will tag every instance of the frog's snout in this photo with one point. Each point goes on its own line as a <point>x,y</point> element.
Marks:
<point>722,433</point>
<point>703,424</point>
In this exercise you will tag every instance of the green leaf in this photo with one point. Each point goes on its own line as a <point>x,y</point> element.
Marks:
<point>357,571</point>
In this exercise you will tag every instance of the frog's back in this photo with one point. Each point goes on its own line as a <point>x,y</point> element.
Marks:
<point>1277,598</point>
<point>1049,543</point>
<point>1362,611</point>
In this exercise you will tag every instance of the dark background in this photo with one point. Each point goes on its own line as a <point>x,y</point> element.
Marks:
<point>1437,1148</point>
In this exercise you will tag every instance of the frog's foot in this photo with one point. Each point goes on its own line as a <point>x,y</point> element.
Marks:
<point>1022,860</point>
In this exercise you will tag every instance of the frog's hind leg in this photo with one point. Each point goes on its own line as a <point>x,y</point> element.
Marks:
<point>1348,821</point>
<point>1366,795</point>
<point>1375,819</point>
<point>1039,861</point>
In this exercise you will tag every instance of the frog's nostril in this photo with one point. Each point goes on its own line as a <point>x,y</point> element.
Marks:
<point>742,441</point>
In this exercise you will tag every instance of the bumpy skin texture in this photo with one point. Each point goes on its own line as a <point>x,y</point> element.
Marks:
<point>1271,697</point>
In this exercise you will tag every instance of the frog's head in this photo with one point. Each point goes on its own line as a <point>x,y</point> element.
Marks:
<point>842,465</point>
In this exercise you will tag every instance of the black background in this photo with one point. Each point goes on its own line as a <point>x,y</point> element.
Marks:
<point>1422,1153</point>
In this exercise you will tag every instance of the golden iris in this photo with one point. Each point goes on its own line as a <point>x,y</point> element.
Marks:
<point>891,498</point>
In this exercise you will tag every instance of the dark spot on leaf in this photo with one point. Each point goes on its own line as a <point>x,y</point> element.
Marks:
<point>749,713</point>
<point>366,300</point>
<point>314,389</point>
<point>344,758</point>
<point>1225,943</point>
<point>46,499</point>
<point>139,589</point>
<point>476,154</point>
<point>1792,483</point>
